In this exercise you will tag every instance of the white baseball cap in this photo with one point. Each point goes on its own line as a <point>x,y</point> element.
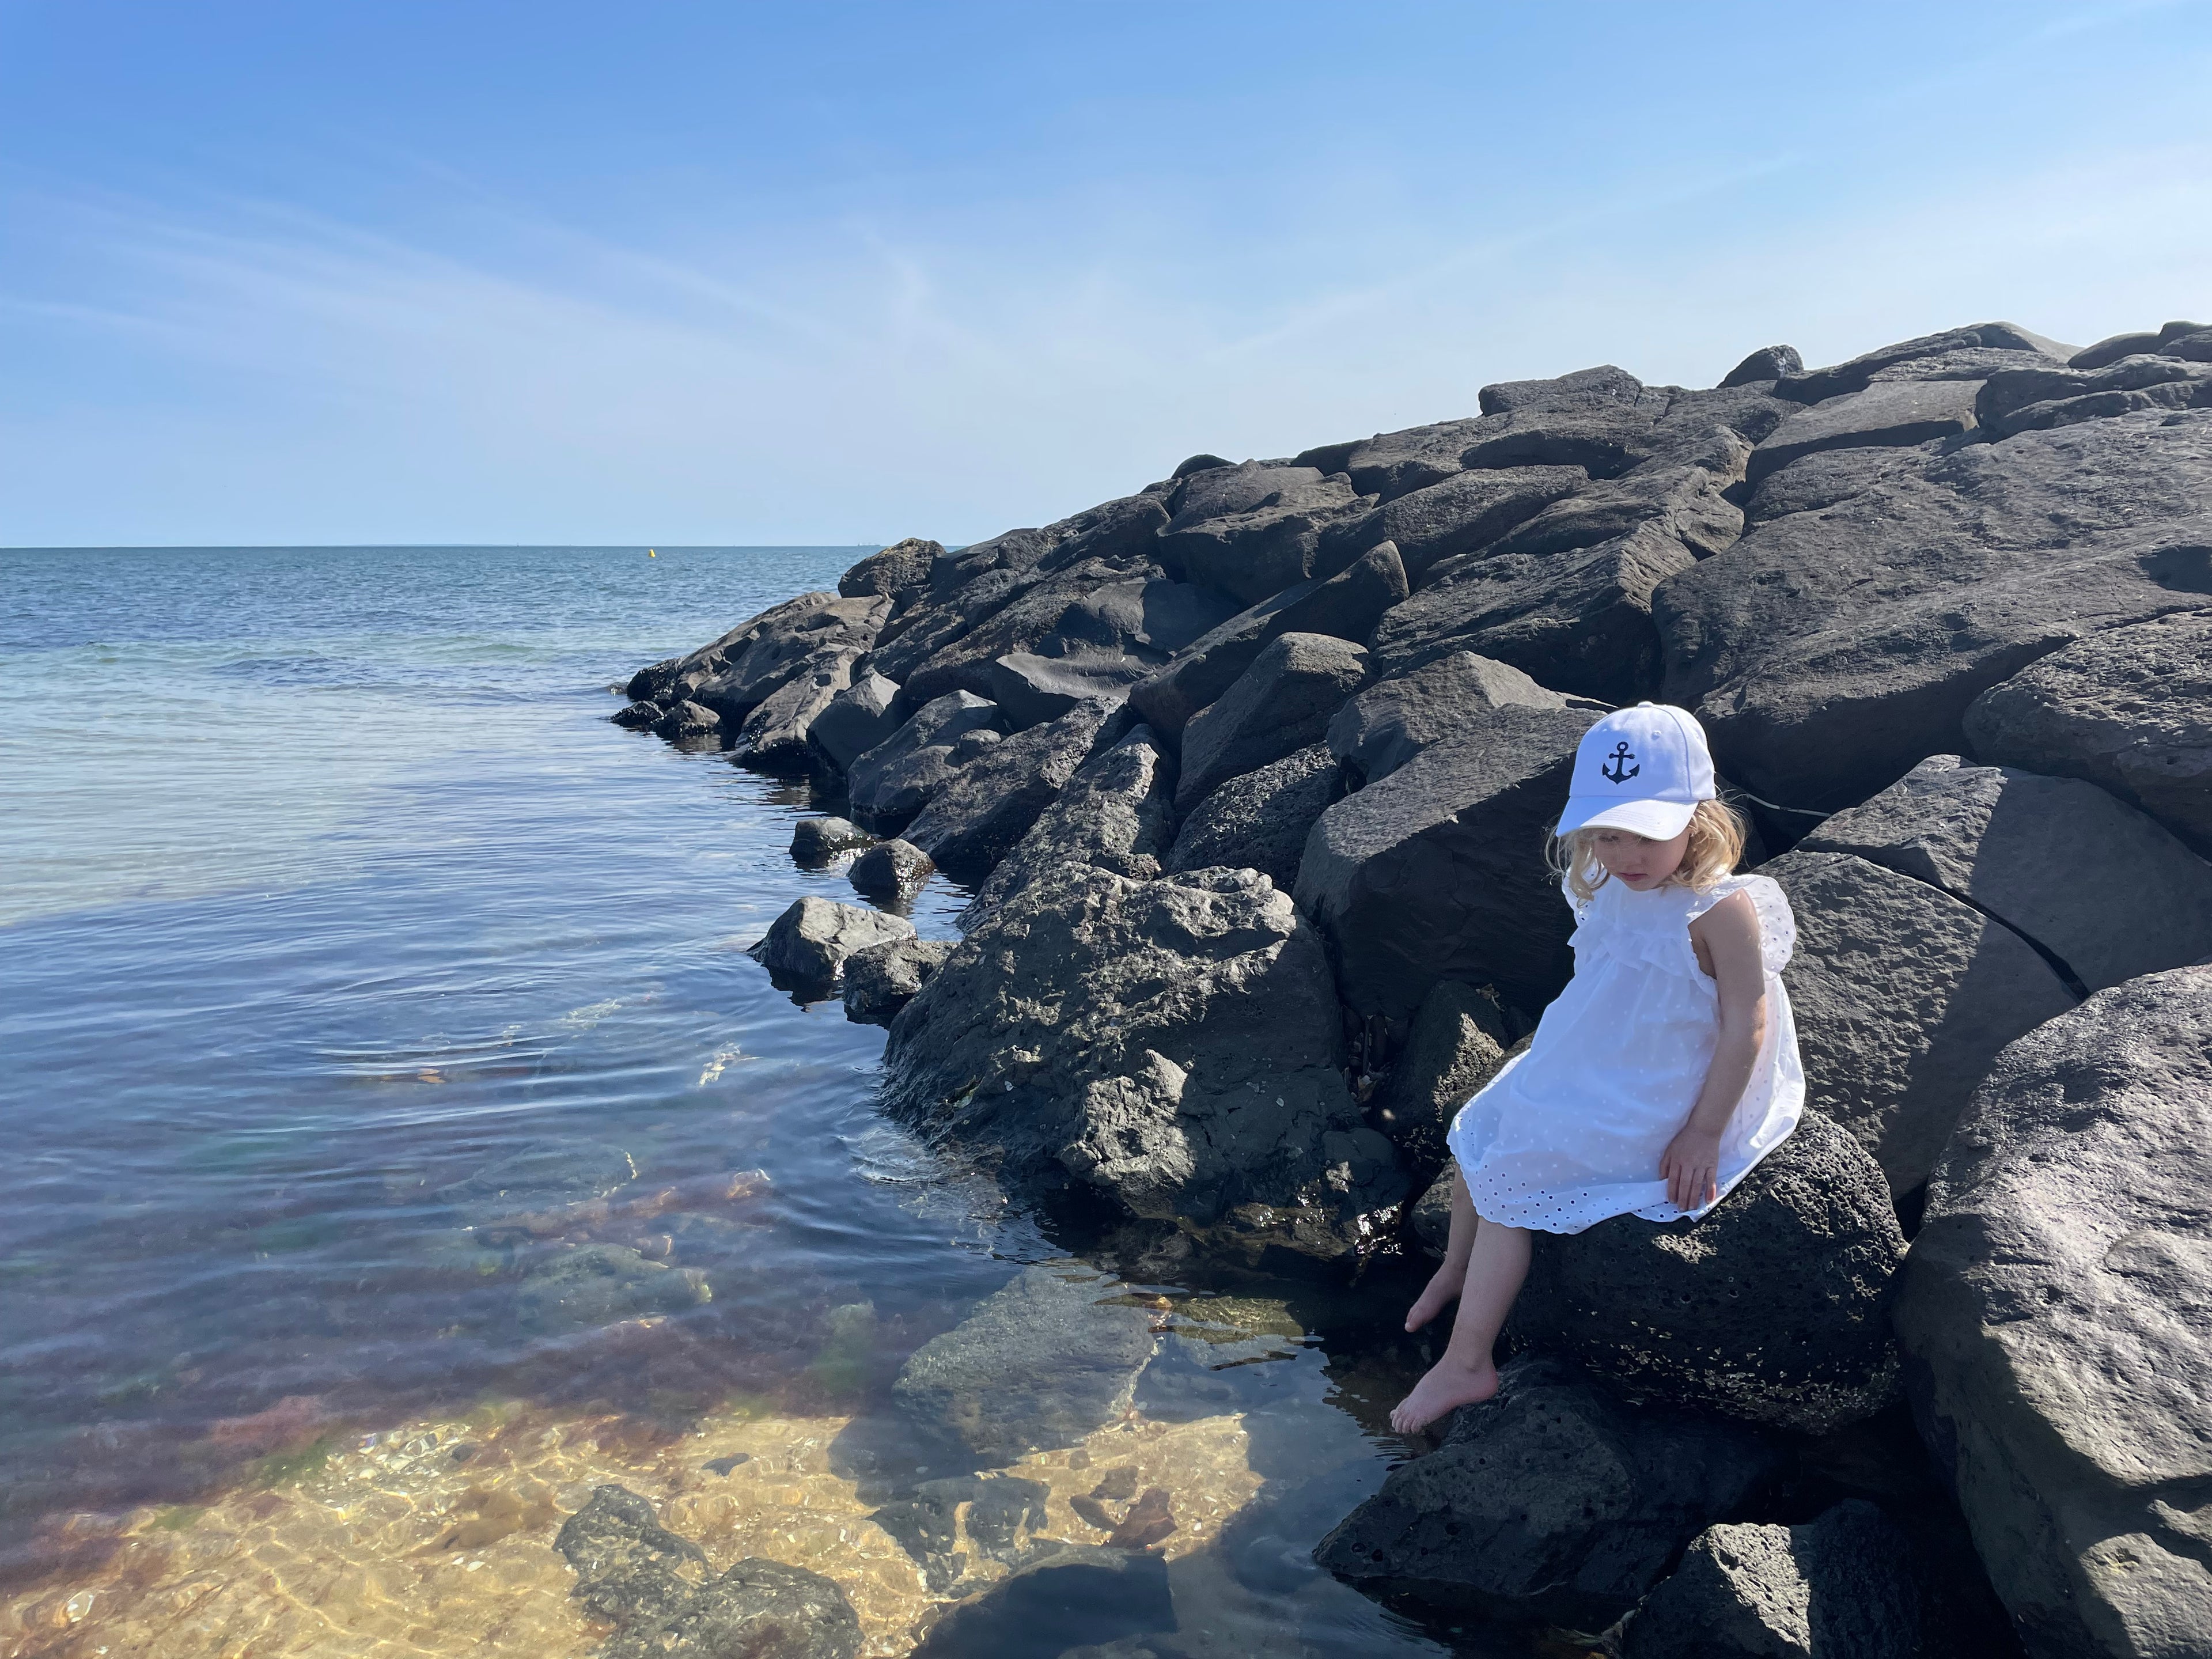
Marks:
<point>1642,769</point>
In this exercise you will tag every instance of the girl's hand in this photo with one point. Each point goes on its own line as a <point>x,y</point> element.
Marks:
<point>1690,1167</point>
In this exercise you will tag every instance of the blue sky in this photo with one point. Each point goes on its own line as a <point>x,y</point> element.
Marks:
<point>839,272</point>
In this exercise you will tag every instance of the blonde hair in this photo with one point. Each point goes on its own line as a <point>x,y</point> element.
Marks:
<point>1716,848</point>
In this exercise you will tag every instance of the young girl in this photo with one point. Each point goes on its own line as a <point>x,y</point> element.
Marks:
<point>1662,1074</point>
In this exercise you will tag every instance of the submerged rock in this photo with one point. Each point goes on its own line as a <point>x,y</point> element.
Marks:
<point>890,870</point>
<point>815,842</point>
<point>537,1176</point>
<point>594,1285</point>
<point>1073,1600</point>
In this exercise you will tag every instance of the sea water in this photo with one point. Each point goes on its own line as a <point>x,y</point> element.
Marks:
<point>325,884</point>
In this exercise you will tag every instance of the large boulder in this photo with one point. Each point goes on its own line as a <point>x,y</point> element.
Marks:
<point>891,783</point>
<point>1686,502</point>
<point>891,870</point>
<point>899,572</point>
<point>1927,354</point>
<point>982,809</point>
<point>1033,689</point>
<point>1839,1587</point>
<point>1889,414</point>
<point>584,1286</point>
<point>1259,821</point>
<point>1172,1046</point>
<point>2129,708</point>
<point>1458,1044</point>
<point>1903,997</point>
<point>738,671</point>
<point>2033,400</point>
<point>2110,350</point>
<point>1553,1502</point>
<point>1078,610</point>
<point>855,720</point>
<point>1766,364</point>
<point>1282,702</point>
<point>1346,606</point>
<point>2097,885</point>
<point>1437,871</point>
<point>807,944</point>
<point>1830,650</point>
<point>882,979</point>
<point>1468,510</point>
<point>816,842</point>
<point>1774,1308</point>
<point>1116,813</point>
<point>2057,1317</point>
<point>1253,530</point>
<point>774,736</point>
<point>1395,720</point>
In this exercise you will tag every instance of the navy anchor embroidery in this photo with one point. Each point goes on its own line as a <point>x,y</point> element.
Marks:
<point>1619,771</point>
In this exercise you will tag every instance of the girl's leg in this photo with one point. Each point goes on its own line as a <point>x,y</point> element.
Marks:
<point>1497,1264</point>
<point>1445,1284</point>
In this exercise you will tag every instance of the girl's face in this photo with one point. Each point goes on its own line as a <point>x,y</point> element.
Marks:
<point>1636,862</point>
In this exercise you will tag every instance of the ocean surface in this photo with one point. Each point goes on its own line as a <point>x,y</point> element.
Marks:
<point>326,886</point>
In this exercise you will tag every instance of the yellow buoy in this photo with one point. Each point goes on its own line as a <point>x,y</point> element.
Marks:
<point>650,554</point>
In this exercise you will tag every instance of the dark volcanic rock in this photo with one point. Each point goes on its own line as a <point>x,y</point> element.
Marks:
<point>1827,477</point>
<point>638,716</point>
<point>1259,821</point>
<point>1075,1601</point>
<point>894,781</point>
<point>1437,870</point>
<point>985,806</point>
<point>2129,708</point>
<point>1767,363</point>
<point>1604,387</point>
<point>856,720</point>
<point>1090,607</point>
<point>740,671</point>
<point>1860,372</point>
<point>1840,1587</point>
<point>592,1284</point>
<point>1395,720</point>
<point>1173,1045</point>
<point>807,944</point>
<point>890,870</point>
<point>1346,606</point>
<point>2033,400</point>
<point>1116,813</point>
<point>882,979</point>
<point>898,573</point>
<point>1551,1502</point>
<point>1470,509</point>
<point>2093,882</point>
<point>1684,501</point>
<point>1773,1309</point>
<point>668,1603</point>
<point>2128,345</point>
<point>1033,689</point>
<point>1827,652</point>
<point>1037,1366</point>
<point>2055,1322</point>
<point>1892,413</point>
<point>774,736</point>
<point>815,842</point>
<point>687,720</point>
<point>1458,1044</point>
<point>995,1518</point>
<point>1253,530</point>
<point>1282,702</point>
<point>1903,997</point>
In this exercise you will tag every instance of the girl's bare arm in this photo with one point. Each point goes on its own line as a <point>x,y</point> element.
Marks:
<point>1727,938</point>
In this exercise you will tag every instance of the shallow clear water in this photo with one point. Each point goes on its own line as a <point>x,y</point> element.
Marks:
<point>324,883</point>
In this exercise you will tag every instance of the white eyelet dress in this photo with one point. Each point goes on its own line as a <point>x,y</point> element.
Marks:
<point>1571,1131</point>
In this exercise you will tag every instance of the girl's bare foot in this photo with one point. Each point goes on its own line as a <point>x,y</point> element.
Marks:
<point>1447,1385</point>
<point>1443,1290</point>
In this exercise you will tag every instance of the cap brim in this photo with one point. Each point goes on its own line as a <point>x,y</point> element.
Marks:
<point>1656,820</point>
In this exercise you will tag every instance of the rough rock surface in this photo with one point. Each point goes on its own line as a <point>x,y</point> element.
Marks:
<point>1172,1045</point>
<point>688,721</point>
<point>774,736</point>
<point>2128,345</point>
<point>807,944</point>
<point>1551,1502</point>
<point>817,840</point>
<point>1458,1044</point>
<point>1767,363</point>
<point>1033,689</point>
<point>882,979</point>
<point>594,1285</point>
<point>1839,1587</point>
<point>1073,1601</point>
<point>1773,1309</point>
<point>894,781</point>
<point>1469,510</point>
<point>1924,356</point>
<point>1282,702</point>
<point>740,670</point>
<point>2098,885</point>
<point>1829,651</point>
<point>1259,821</point>
<point>1253,530</point>
<point>2129,708</point>
<point>980,811</point>
<point>1903,997</point>
<point>1437,870</point>
<point>1892,413</point>
<point>1394,720</point>
<point>666,1601</point>
<point>539,1176</point>
<point>1116,813</point>
<point>2055,1320</point>
<point>856,720</point>
<point>890,870</point>
<point>899,572</point>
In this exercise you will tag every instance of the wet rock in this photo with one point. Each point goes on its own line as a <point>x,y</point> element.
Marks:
<point>1903,997</point>
<point>1072,1600</point>
<point>882,979</point>
<point>1116,813</point>
<point>1259,821</point>
<point>898,573</point>
<point>1395,720</point>
<point>1281,703</point>
<point>1033,689</point>
<point>807,944</point>
<point>1551,1502</point>
<point>1038,1365</point>
<point>1254,530</point>
<point>537,1176</point>
<point>688,721</point>
<point>1436,872</point>
<point>667,1603</point>
<point>1468,510</point>
<point>1173,1046</point>
<point>2094,883</point>
<point>1773,1309</point>
<point>980,811</point>
<point>1431,1215</point>
<point>947,1520</point>
<point>1841,1585</point>
<point>815,842</point>
<point>774,736</point>
<point>2128,345</point>
<point>856,720</point>
<point>638,716</point>
<point>1891,414</point>
<point>2054,1318</point>
<point>1346,606</point>
<point>891,783</point>
<point>1767,363</point>
<point>1830,651</point>
<point>2128,708</point>
<point>1458,1044</point>
<point>592,1284</point>
<point>890,870</point>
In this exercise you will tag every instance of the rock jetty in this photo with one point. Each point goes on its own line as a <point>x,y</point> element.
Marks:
<point>1248,773</point>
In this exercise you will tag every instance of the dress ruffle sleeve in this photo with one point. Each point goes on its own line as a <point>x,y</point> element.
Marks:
<point>1777,928</point>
